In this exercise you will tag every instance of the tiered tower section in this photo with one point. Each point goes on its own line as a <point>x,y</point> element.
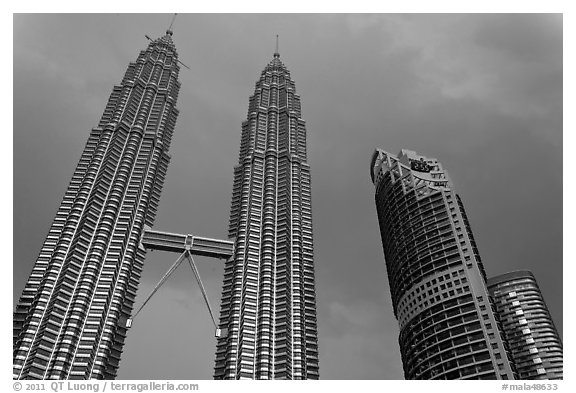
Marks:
<point>69,322</point>
<point>528,326</point>
<point>268,298</point>
<point>448,328</point>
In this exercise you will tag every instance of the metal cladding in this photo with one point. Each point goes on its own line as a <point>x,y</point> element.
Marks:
<point>448,329</point>
<point>268,297</point>
<point>70,320</point>
<point>534,341</point>
<point>178,243</point>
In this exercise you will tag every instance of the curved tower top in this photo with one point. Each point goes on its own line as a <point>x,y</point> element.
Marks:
<point>426,169</point>
<point>534,341</point>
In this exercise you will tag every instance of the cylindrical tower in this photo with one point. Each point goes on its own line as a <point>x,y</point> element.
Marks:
<point>534,341</point>
<point>448,328</point>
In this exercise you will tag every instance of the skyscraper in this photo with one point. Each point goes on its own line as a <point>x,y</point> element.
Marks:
<point>268,298</point>
<point>534,341</point>
<point>70,320</point>
<point>448,328</point>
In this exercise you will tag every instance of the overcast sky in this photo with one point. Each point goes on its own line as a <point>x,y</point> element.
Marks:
<point>482,93</point>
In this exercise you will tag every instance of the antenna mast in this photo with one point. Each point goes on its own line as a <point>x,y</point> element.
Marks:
<point>169,31</point>
<point>276,53</point>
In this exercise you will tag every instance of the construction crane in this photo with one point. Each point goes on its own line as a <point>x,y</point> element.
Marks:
<point>169,31</point>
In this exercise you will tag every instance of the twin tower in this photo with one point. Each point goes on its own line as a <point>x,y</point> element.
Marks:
<point>77,306</point>
<point>71,320</point>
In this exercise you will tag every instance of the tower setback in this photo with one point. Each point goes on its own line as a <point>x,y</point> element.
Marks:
<point>268,299</point>
<point>70,320</point>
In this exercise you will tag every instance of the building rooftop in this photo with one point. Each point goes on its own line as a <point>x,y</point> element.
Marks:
<point>510,276</point>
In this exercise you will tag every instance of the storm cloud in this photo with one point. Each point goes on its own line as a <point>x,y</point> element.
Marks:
<point>482,93</point>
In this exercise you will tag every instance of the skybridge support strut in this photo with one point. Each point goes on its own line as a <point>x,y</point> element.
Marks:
<point>186,246</point>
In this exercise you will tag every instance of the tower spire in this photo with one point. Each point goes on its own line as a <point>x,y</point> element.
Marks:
<point>276,53</point>
<point>169,31</point>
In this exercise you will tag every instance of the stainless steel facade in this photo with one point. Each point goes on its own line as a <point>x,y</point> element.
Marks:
<point>268,297</point>
<point>448,328</point>
<point>70,320</point>
<point>534,341</point>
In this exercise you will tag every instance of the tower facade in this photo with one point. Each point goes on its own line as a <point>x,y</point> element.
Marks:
<point>448,328</point>
<point>534,341</point>
<point>268,299</point>
<point>70,320</point>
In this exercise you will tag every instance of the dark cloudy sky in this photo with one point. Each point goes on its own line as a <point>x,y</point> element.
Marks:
<point>482,93</point>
